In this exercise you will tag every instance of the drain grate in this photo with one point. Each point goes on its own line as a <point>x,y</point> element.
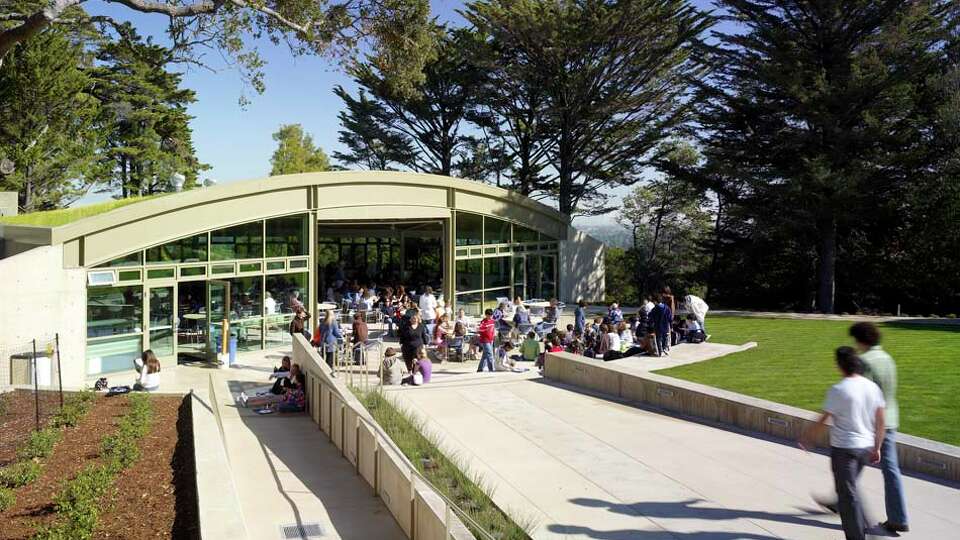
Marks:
<point>301,531</point>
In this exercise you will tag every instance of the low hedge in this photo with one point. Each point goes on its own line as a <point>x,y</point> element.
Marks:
<point>7,498</point>
<point>20,473</point>
<point>78,504</point>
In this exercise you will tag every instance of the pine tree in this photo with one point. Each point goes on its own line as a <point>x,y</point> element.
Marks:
<point>145,118</point>
<point>47,121</point>
<point>816,106</point>
<point>370,144</point>
<point>296,153</point>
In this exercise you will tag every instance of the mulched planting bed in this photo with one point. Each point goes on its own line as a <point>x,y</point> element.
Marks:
<point>19,418</point>
<point>79,445</point>
<point>155,498</point>
<point>158,493</point>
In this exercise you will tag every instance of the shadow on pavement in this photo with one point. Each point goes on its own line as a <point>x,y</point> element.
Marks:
<point>687,510</point>
<point>632,534</point>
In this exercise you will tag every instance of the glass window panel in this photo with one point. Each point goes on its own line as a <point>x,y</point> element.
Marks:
<point>287,236</point>
<point>221,269</point>
<point>548,285</point>
<point>470,303</point>
<point>161,321</point>
<point>276,265</point>
<point>533,276</point>
<point>496,272</point>
<point>160,273</point>
<point>128,275</point>
<point>547,238</point>
<point>133,259</point>
<point>246,311</point>
<point>469,229</point>
<point>519,283</point>
<point>496,231</point>
<point>283,290</point>
<point>193,271</point>
<point>469,275</point>
<point>184,250</point>
<point>523,234</point>
<point>490,297</point>
<point>238,242</point>
<point>302,263</point>
<point>102,277</point>
<point>114,311</point>
<point>489,250</point>
<point>250,267</point>
<point>110,355</point>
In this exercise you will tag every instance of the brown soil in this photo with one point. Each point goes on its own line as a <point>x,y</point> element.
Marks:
<point>156,498</point>
<point>79,446</point>
<point>20,418</point>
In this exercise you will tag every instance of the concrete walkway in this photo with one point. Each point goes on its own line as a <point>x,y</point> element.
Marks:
<point>284,468</point>
<point>583,467</point>
<point>682,354</point>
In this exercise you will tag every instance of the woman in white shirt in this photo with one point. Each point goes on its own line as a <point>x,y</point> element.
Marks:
<point>149,367</point>
<point>626,337</point>
<point>428,306</point>
<point>614,340</point>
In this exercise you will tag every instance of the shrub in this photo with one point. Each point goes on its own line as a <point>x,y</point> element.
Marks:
<point>20,473</point>
<point>39,445</point>
<point>76,407</point>
<point>7,498</point>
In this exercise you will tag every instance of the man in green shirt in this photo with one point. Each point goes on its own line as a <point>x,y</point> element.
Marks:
<point>880,368</point>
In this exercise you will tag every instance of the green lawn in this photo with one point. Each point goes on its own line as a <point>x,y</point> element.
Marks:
<point>62,216</point>
<point>793,364</point>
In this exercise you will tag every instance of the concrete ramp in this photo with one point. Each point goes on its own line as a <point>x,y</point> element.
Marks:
<point>579,466</point>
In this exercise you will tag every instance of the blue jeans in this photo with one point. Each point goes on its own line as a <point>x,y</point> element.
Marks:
<point>892,486</point>
<point>486,359</point>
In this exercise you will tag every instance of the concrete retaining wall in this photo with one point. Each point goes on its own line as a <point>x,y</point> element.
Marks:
<point>419,510</point>
<point>38,298</point>
<point>219,510</point>
<point>713,404</point>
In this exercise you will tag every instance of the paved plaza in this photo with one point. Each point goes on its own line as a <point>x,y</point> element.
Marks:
<point>579,466</point>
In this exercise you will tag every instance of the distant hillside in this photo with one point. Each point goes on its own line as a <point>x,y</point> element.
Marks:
<point>611,235</point>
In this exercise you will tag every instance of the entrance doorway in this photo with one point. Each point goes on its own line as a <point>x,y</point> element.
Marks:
<point>408,253</point>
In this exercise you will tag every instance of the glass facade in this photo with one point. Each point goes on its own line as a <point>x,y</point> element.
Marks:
<point>288,236</point>
<point>114,327</point>
<point>469,229</point>
<point>184,250</point>
<point>174,297</point>
<point>507,260</point>
<point>178,309</point>
<point>238,242</point>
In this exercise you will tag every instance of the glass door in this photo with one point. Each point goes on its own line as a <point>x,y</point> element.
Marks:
<point>161,323</point>
<point>519,280</point>
<point>218,308</point>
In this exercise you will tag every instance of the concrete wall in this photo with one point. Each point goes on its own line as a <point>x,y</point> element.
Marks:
<point>39,298</point>
<point>582,270</point>
<point>419,510</point>
<point>715,405</point>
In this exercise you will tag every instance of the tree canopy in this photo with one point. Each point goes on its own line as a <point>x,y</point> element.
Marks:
<point>296,152</point>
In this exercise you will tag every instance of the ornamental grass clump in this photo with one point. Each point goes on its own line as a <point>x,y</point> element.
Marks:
<point>20,473</point>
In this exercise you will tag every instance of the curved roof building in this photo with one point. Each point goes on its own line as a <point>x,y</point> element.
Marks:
<point>166,272</point>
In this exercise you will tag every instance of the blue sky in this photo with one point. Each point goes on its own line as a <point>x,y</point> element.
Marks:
<point>236,142</point>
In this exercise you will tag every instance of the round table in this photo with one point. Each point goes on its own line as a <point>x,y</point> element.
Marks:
<point>196,316</point>
<point>537,304</point>
<point>325,306</point>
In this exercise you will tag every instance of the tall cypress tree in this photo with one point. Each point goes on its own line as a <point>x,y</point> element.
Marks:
<point>815,106</point>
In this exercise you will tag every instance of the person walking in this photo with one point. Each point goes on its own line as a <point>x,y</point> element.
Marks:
<point>662,316</point>
<point>428,306</point>
<point>486,332</point>
<point>879,367</point>
<point>856,406</point>
<point>580,316</point>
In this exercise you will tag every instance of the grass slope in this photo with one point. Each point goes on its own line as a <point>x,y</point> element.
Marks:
<point>793,364</point>
<point>62,216</point>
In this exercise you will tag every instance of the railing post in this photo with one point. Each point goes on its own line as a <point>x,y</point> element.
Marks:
<point>446,521</point>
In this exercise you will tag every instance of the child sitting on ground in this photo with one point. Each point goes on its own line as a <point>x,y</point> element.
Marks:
<point>694,331</point>
<point>391,369</point>
<point>293,398</point>
<point>530,348</point>
<point>502,360</point>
